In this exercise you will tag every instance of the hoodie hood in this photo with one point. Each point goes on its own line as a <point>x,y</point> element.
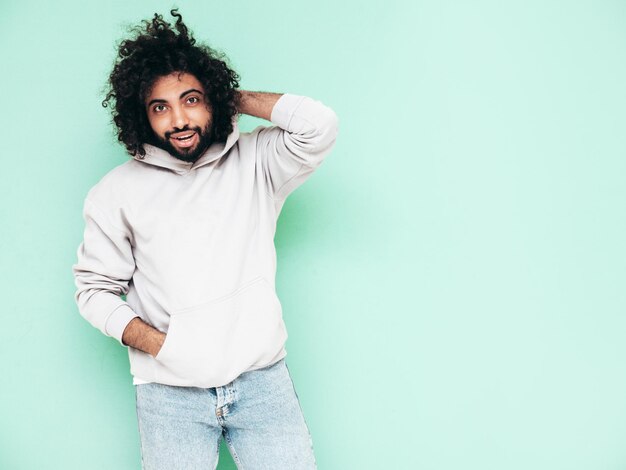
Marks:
<point>158,157</point>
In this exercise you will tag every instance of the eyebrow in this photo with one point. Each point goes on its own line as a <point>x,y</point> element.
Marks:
<point>182,95</point>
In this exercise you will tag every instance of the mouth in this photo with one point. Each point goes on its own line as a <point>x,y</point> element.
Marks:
<point>184,139</point>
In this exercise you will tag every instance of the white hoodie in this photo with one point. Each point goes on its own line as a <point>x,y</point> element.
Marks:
<point>192,247</point>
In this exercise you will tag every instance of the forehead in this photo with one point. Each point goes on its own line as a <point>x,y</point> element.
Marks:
<point>169,87</point>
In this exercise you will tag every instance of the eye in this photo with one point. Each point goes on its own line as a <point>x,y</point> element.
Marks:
<point>193,100</point>
<point>159,108</point>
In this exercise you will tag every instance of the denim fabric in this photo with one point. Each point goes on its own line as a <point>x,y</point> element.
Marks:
<point>258,415</point>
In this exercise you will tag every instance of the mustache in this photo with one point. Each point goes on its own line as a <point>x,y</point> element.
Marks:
<point>176,130</point>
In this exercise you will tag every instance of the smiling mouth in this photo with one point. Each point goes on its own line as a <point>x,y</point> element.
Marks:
<point>186,139</point>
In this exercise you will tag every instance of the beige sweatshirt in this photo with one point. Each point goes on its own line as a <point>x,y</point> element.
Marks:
<point>191,246</point>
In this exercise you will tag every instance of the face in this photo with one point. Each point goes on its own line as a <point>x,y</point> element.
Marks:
<point>180,116</point>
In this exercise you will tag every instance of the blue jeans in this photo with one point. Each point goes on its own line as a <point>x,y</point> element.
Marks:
<point>258,415</point>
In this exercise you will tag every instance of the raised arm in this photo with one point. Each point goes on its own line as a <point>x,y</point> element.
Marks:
<point>303,134</point>
<point>258,104</point>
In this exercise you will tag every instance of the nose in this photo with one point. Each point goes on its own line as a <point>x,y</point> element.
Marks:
<point>179,118</point>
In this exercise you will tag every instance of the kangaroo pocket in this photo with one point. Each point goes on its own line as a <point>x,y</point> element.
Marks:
<point>212,343</point>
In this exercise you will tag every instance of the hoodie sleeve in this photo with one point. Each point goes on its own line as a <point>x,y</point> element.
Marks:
<point>104,268</point>
<point>305,133</point>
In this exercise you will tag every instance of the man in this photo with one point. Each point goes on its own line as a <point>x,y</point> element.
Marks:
<point>185,231</point>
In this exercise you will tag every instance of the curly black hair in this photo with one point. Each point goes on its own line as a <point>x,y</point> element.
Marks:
<point>157,51</point>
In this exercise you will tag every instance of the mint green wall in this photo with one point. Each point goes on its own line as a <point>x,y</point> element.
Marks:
<point>452,277</point>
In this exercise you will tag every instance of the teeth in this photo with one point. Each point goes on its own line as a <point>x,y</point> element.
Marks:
<point>184,138</point>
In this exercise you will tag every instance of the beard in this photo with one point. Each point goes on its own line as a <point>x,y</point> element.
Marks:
<point>191,154</point>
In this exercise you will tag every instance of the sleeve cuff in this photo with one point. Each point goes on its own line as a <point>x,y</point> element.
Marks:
<point>118,320</point>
